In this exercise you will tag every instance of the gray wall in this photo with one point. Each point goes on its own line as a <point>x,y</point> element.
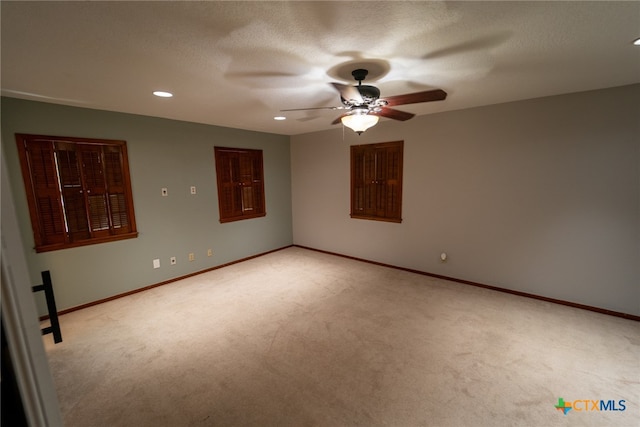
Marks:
<point>162,153</point>
<point>540,196</point>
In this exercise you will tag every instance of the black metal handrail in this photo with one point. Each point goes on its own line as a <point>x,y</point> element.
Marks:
<point>47,287</point>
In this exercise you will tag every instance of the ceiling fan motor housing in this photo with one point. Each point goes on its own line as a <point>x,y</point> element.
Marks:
<point>368,93</point>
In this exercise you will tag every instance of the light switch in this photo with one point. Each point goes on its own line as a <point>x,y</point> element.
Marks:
<point>156,263</point>
<point>165,192</point>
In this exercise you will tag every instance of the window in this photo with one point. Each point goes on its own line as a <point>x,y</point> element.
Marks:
<point>78,190</point>
<point>240,183</point>
<point>376,181</point>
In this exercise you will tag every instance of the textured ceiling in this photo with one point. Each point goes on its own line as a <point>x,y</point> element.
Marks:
<point>237,64</point>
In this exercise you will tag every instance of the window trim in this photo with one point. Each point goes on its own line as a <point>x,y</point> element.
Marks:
<point>390,188</point>
<point>220,155</point>
<point>40,244</point>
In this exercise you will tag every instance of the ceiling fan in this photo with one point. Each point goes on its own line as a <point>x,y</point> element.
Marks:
<point>364,105</point>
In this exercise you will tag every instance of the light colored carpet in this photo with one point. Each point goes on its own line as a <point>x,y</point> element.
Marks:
<point>302,338</point>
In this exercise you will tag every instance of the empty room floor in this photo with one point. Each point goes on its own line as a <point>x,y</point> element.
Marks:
<point>302,338</point>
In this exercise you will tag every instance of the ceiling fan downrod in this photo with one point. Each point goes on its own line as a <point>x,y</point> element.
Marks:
<point>368,93</point>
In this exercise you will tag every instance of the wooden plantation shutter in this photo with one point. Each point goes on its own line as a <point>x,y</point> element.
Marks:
<point>72,188</point>
<point>117,183</point>
<point>393,182</point>
<point>227,166</point>
<point>362,181</point>
<point>240,179</point>
<point>376,181</point>
<point>45,203</point>
<point>96,191</point>
<point>78,190</point>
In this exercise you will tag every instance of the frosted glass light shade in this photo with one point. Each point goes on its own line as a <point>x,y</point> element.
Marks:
<point>359,122</point>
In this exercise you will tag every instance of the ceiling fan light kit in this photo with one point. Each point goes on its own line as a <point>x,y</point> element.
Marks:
<point>365,106</point>
<point>359,121</point>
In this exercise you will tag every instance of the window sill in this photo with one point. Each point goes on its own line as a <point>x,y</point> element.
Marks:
<point>240,218</point>
<point>58,246</point>
<point>376,218</point>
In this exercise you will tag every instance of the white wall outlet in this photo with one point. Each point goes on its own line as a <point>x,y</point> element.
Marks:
<point>443,256</point>
<point>192,256</point>
<point>210,252</point>
<point>164,192</point>
<point>193,189</point>
<point>173,260</point>
<point>156,263</point>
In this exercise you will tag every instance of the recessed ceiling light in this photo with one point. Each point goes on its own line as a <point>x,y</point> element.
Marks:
<point>162,94</point>
<point>279,118</point>
<point>637,41</point>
